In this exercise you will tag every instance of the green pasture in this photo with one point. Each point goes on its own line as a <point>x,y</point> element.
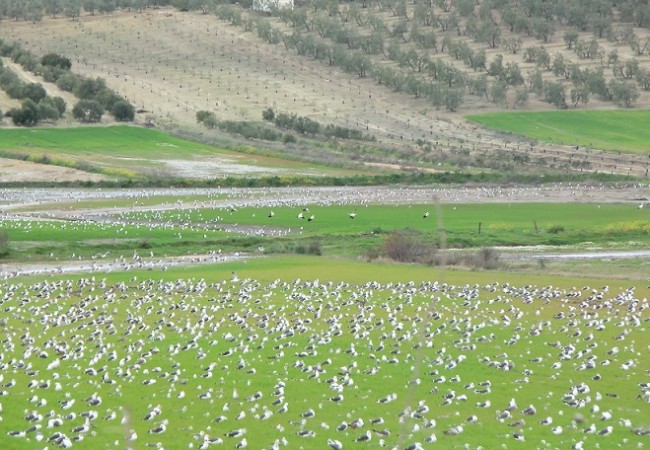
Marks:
<point>625,131</point>
<point>61,240</point>
<point>464,225</point>
<point>323,327</point>
<point>189,228</point>
<point>288,267</point>
<point>120,140</point>
<point>125,147</point>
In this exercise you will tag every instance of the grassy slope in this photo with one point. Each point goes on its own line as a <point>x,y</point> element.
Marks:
<point>125,147</point>
<point>115,140</point>
<point>609,130</point>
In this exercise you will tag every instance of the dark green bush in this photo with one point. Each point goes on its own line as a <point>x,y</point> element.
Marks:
<point>123,111</point>
<point>55,60</point>
<point>88,111</point>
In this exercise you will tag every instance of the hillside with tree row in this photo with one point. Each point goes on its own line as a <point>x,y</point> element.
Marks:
<point>399,71</point>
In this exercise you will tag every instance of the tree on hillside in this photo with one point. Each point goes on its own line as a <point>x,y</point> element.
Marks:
<point>207,119</point>
<point>89,87</point>
<point>55,60</point>
<point>67,82</point>
<point>34,11</point>
<point>53,7</point>
<point>499,93</point>
<point>15,9</point>
<point>205,6</point>
<point>26,116</point>
<point>34,92</point>
<point>106,6</point>
<point>60,105</point>
<point>88,111</point>
<point>452,99</point>
<point>47,110</point>
<point>570,38</point>
<point>72,8</point>
<point>554,94</point>
<point>123,111</point>
<point>90,6</point>
<point>623,92</point>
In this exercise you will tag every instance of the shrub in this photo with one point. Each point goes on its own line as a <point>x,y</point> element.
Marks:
<point>47,109</point>
<point>289,139</point>
<point>145,243</point>
<point>88,111</point>
<point>4,244</point>
<point>556,229</point>
<point>107,98</point>
<point>487,258</point>
<point>67,82</point>
<point>123,111</point>
<point>313,248</point>
<point>34,91</point>
<point>60,105</point>
<point>89,88</point>
<point>52,74</point>
<point>408,246</point>
<point>54,60</point>
<point>206,118</point>
<point>26,116</point>
<point>268,114</point>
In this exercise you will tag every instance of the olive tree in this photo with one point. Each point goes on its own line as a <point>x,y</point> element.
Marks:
<point>88,111</point>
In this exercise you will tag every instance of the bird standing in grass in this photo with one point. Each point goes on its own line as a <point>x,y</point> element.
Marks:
<point>425,215</point>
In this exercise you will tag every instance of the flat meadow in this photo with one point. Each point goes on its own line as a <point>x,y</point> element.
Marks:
<point>299,352</point>
<point>280,350</point>
<point>161,226</point>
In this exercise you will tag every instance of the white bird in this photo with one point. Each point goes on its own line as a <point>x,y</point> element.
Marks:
<point>160,428</point>
<point>236,433</point>
<point>366,437</point>
<point>336,445</point>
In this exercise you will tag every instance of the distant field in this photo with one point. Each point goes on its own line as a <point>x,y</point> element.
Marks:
<point>608,130</point>
<point>132,150</point>
<point>124,141</point>
<point>501,224</point>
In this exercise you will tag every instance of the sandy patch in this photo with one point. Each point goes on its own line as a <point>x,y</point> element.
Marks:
<point>13,170</point>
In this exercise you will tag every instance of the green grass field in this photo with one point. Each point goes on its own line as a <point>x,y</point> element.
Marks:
<point>132,149</point>
<point>625,131</point>
<point>264,344</point>
<point>198,230</point>
<point>419,350</point>
<point>122,140</point>
<point>508,224</point>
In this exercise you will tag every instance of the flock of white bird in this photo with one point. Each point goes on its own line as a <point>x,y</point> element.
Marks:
<point>199,363</point>
<point>305,364</point>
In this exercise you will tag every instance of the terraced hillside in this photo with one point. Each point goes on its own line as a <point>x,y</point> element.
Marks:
<point>237,63</point>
